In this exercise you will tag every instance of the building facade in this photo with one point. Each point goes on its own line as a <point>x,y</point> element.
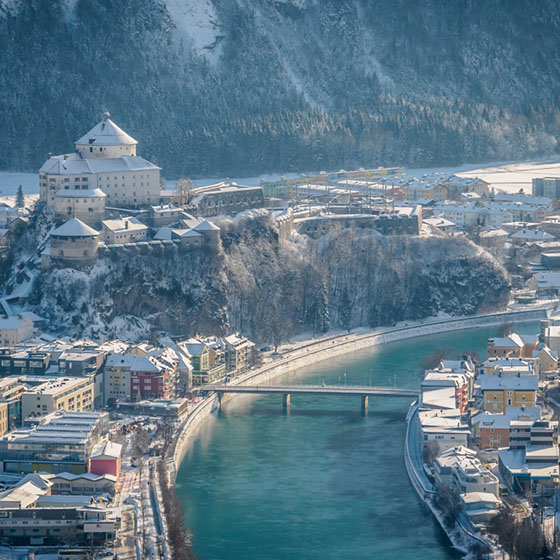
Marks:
<point>105,159</point>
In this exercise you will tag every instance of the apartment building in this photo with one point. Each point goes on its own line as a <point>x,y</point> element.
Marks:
<point>74,394</point>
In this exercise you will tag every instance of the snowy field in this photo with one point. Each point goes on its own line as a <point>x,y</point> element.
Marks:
<point>9,183</point>
<point>515,176</point>
<point>508,176</point>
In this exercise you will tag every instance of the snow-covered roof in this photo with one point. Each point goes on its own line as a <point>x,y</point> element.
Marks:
<point>135,363</point>
<point>206,226</point>
<point>11,323</point>
<point>438,222</point>
<point>106,133</point>
<point>84,476</point>
<point>73,164</point>
<point>74,228</point>
<point>547,279</point>
<point>511,341</point>
<point>497,383</point>
<point>80,193</point>
<point>120,224</point>
<point>163,234</point>
<point>494,233</point>
<point>186,233</point>
<point>532,234</point>
<point>106,450</point>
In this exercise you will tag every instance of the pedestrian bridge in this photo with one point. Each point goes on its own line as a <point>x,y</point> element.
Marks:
<point>286,390</point>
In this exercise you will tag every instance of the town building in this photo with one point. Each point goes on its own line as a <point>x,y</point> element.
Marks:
<point>134,377</point>
<point>105,458</point>
<point>207,368</point>
<point>4,417</point>
<point>534,432</point>
<point>31,516</point>
<point>81,484</point>
<point>547,186</point>
<point>499,392</point>
<point>421,189</point>
<point>480,507</point>
<point>530,471</point>
<point>87,205</point>
<point>459,468</point>
<point>167,409</point>
<point>11,390</point>
<point>438,379</point>
<point>508,366</point>
<point>74,243</point>
<point>105,159</point>
<point>59,442</point>
<point>456,186</point>
<point>163,215</point>
<point>225,198</point>
<point>14,330</point>
<point>492,430</point>
<point>240,353</point>
<point>73,394</point>
<point>443,429</point>
<point>546,284</point>
<point>513,345</point>
<point>123,230</point>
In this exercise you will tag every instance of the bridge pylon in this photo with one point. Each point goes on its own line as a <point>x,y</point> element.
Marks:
<point>365,402</point>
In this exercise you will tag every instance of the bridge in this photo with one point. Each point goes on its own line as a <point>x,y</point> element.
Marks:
<point>287,390</point>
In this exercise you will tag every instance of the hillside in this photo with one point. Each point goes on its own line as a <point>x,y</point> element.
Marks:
<point>221,87</point>
<point>271,289</point>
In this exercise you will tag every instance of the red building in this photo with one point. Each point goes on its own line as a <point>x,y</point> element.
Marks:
<point>105,458</point>
<point>149,380</point>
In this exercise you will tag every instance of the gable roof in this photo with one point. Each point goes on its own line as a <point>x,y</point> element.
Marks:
<point>106,133</point>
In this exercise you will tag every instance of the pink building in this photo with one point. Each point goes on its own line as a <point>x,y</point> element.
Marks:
<point>105,458</point>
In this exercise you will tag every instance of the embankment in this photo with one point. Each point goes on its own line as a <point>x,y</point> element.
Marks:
<point>317,350</point>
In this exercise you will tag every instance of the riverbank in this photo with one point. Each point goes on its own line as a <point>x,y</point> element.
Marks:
<point>462,539</point>
<point>313,351</point>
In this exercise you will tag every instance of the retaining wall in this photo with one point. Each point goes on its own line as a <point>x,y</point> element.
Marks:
<point>329,347</point>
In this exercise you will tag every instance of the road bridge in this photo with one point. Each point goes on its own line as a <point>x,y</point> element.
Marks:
<point>287,390</point>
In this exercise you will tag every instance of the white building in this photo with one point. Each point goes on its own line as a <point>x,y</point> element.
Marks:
<point>458,467</point>
<point>105,159</point>
<point>14,330</point>
<point>124,230</point>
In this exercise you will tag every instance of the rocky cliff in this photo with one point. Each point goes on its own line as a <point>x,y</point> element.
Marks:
<point>271,289</point>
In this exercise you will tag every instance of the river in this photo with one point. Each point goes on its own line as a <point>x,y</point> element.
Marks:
<point>323,482</point>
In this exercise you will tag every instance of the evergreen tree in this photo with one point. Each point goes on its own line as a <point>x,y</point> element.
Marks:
<point>345,309</point>
<point>323,309</point>
<point>20,201</point>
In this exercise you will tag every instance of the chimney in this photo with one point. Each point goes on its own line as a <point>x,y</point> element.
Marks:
<point>126,224</point>
<point>65,156</point>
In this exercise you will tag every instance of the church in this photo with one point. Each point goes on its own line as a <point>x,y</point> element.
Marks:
<point>104,171</point>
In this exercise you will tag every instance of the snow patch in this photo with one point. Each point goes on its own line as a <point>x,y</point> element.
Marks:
<point>197,24</point>
<point>9,7</point>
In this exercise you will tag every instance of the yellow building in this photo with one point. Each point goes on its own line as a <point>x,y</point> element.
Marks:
<point>503,391</point>
<point>74,394</point>
<point>3,418</point>
<point>427,190</point>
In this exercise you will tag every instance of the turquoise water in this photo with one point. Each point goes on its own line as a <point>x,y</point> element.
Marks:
<point>323,482</point>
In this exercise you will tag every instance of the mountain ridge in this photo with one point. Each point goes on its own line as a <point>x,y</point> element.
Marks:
<point>218,88</point>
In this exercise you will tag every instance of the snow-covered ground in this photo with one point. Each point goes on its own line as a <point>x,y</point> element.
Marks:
<point>515,176</point>
<point>9,183</point>
<point>505,176</point>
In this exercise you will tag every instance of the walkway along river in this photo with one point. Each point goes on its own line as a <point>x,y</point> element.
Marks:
<point>324,481</point>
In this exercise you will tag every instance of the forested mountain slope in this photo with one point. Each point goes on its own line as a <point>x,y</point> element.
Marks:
<point>234,87</point>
